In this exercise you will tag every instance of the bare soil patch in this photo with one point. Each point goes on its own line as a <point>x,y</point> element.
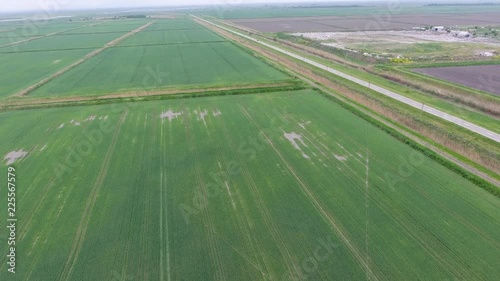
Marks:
<point>295,139</point>
<point>481,77</point>
<point>13,156</point>
<point>170,115</point>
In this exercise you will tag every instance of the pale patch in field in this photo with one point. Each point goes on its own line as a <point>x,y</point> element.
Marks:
<point>201,115</point>
<point>43,147</point>
<point>303,125</point>
<point>340,158</point>
<point>230,195</point>
<point>75,123</point>
<point>13,156</point>
<point>61,126</point>
<point>216,113</point>
<point>293,138</point>
<point>90,118</point>
<point>359,154</point>
<point>170,115</point>
<point>56,61</point>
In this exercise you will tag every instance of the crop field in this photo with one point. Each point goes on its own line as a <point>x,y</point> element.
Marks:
<point>119,26</point>
<point>482,77</point>
<point>247,187</point>
<point>41,28</point>
<point>180,36</point>
<point>23,69</point>
<point>64,42</point>
<point>163,59</point>
<point>172,24</point>
<point>8,40</point>
<point>156,67</point>
<point>389,21</point>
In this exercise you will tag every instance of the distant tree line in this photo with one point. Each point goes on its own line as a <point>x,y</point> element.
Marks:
<point>463,4</point>
<point>135,16</point>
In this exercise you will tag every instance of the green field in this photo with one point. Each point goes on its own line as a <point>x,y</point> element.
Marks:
<point>155,67</point>
<point>40,27</point>
<point>9,40</point>
<point>118,26</point>
<point>180,36</point>
<point>120,194</point>
<point>64,42</point>
<point>173,24</point>
<point>21,70</point>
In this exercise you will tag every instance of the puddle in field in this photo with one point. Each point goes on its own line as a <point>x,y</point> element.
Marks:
<point>170,115</point>
<point>13,156</point>
<point>293,138</point>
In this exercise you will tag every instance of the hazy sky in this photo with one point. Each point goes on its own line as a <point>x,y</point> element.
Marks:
<point>12,5</point>
<point>51,5</point>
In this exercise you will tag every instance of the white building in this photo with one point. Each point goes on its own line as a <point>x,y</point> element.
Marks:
<point>438,28</point>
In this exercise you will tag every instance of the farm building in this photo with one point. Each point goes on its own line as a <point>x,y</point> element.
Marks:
<point>461,34</point>
<point>438,28</point>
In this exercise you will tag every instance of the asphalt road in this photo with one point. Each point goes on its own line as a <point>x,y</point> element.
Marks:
<point>420,106</point>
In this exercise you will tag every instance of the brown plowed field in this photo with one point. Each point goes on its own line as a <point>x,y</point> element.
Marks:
<point>357,23</point>
<point>481,77</point>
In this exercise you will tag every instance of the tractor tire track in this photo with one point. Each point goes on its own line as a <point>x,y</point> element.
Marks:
<point>329,218</point>
<point>85,219</point>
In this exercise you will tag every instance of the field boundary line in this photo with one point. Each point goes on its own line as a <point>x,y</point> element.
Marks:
<point>80,61</point>
<point>85,219</point>
<point>418,105</point>
<point>43,101</point>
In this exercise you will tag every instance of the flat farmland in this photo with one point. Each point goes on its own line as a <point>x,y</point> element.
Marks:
<point>172,24</point>
<point>364,23</point>
<point>350,11</point>
<point>38,28</point>
<point>276,186</point>
<point>118,26</point>
<point>162,66</point>
<point>23,69</point>
<point>64,42</point>
<point>482,77</point>
<point>8,40</point>
<point>176,36</point>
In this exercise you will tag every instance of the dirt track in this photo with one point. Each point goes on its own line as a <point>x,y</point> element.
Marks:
<point>27,103</point>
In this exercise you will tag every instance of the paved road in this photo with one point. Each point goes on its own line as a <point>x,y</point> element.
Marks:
<point>443,115</point>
